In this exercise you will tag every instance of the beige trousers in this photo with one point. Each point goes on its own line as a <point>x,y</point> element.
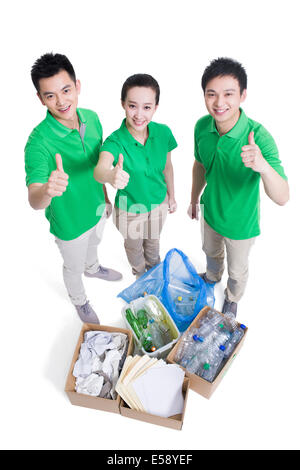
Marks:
<point>141,233</point>
<point>80,255</point>
<point>237,260</point>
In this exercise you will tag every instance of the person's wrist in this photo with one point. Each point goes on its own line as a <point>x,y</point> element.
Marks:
<point>265,168</point>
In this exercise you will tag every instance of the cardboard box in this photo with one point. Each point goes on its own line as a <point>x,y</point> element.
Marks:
<point>88,401</point>
<point>198,384</point>
<point>174,422</point>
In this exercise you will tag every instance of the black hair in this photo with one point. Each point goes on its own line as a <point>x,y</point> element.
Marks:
<point>225,66</point>
<point>50,64</point>
<point>141,80</point>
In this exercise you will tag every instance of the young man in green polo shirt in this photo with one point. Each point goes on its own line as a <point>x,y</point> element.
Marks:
<point>232,154</point>
<point>60,156</point>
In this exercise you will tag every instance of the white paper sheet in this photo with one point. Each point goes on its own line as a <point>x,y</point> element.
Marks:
<point>159,390</point>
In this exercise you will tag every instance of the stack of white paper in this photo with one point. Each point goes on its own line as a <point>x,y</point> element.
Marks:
<point>150,385</point>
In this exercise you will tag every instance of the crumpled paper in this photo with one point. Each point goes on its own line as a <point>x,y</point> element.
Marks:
<point>97,368</point>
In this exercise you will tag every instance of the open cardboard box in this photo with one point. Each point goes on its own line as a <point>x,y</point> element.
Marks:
<point>174,422</point>
<point>88,401</point>
<point>198,384</point>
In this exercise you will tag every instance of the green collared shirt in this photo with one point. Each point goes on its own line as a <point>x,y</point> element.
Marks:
<point>145,164</point>
<point>82,204</point>
<point>230,200</point>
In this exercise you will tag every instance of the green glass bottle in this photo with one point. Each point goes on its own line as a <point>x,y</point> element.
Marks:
<point>133,322</point>
<point>142,318</point>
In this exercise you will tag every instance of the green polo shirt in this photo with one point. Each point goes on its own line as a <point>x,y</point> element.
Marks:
<point>230,200</point>
<point>82,204</point>
<point>147,187</point>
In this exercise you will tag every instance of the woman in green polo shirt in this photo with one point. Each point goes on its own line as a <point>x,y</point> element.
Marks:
<point>136,160</point>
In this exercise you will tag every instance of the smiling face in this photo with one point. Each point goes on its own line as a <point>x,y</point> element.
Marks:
<point>222,99</point>
<point>60,94</point>
<point>139,106</point>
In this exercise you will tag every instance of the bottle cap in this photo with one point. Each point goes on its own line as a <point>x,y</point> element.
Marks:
<point>222,347</point>
<point>243,326</point>
<point>151,320</point>
<point>198,338</point>
<point>206,366</point>
<point>221,325</point>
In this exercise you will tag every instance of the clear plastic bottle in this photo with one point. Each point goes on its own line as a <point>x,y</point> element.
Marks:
<point>234,340</point>
<point>185,340</point>
<point>230,322</point>
<point>212,363</point>
<point>155,334</point>
<point>195,362</point>
<point>193,347</point>
<point>222,336</point>
<point>153,311</point>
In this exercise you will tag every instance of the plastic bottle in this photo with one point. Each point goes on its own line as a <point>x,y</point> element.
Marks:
<point>133,322</point>
<point>213,317</point>
<point>205,329</point>
<point>155,334</point>
<point>193,347</point>
<point>230,322</point>
<point>153,311</point>
<point>212,364</point>
<point>195,361</point>
<point>234,340</point>
<point>222,336</point>
<point>185,340</point>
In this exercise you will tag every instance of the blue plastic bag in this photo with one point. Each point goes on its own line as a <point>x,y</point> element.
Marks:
<point>177,285</point>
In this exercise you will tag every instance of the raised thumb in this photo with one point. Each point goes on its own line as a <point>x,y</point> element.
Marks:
<point>251,138</point>
<point>120,161</point>
<point>59,162</point>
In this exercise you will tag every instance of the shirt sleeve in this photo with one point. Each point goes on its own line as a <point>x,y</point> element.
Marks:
<point>269,151</point>
<point>36,162</point>
<point>113,147</point>
<point>172,144</point>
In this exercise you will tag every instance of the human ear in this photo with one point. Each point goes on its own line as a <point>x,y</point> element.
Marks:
<point>243,96</point>
<point>78,86</point>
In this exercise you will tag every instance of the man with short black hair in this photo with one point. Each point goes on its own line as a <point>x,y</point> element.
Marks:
<point>60,156</point>
<point>232,154</point>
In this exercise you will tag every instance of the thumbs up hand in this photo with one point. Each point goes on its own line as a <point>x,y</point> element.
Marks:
<point>252,156</point>
<point>119,178</point>
<point>58,180</point>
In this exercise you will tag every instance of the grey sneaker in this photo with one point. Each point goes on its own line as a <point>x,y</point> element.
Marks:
<point>87,314</point>
<point>205,278</point>
<point>105,273</point>
<point>229,308</point>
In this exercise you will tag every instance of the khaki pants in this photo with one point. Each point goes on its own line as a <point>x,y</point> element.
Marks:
<point>141,233</point>
<point>80,255</point>
<point>237,260</point>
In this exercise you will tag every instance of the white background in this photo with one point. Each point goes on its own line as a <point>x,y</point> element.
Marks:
<point>257,404</point>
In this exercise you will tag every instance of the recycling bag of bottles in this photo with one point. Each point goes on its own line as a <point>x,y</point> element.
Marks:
<point>177,285</point>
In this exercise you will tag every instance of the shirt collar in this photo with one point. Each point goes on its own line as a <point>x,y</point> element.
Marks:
<point>238,129</point>
<point>58,128</point>
<point>130,139</point>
